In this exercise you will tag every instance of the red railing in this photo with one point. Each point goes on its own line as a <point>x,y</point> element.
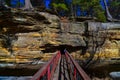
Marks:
<point>76,71</point>
<point>47,71</point>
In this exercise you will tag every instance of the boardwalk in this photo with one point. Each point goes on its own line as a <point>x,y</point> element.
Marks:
<point>62,71</point>
<point>61,67</point>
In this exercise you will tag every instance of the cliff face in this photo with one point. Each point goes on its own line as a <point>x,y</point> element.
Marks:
<point>39,32</point>
<point>107,36</point>
<point>111,47</point>
<point>24,34</point>
<point>28,34</point>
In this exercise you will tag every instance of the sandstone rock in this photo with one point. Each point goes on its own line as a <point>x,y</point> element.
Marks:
<point>51,18</point>
<point>110,49</point>
<point>2,43</point>
<point>28,41</point>
<point>22,54</point>
<point>38,32</point>
<point>4,52</point>
<point>114,34</point>
<point>74,40</point>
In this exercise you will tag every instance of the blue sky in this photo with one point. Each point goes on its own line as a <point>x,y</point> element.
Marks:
<point>15,2</point>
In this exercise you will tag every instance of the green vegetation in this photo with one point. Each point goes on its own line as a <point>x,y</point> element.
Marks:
<point>91,7</point>
<point>19,4</point>
<point>115,3</point>
<point>59,7</point>
<point>100,16</point>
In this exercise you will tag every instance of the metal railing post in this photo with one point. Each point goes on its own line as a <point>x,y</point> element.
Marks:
<point>74,73</point>
<point>48,73</point>
<point>78,72</point>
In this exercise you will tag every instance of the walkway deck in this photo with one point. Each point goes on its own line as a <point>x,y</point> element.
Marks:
<point>62,71</point>
<point>61,67</point>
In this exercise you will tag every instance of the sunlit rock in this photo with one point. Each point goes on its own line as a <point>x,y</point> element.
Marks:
<point>51,18</point>
<point>4,52</point>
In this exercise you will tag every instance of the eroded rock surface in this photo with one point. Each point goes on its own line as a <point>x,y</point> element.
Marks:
<point>28,35</point>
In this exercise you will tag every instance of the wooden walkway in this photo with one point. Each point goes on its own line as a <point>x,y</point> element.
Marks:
<point>62,71</point>
<point>61,67</point>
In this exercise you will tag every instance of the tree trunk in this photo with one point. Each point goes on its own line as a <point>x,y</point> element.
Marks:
<point>75,11</point>
<point>108,15</point>
<point>72,14</point>
<point>28,5</point>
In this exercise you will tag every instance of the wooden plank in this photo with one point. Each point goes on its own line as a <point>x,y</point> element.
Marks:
<point>56,74</point>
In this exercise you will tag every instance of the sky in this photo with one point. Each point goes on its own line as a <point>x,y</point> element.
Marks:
<point>15,2</point>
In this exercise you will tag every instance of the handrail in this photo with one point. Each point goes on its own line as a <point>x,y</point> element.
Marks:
<point>77,71</point>
<point>47,70</point>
